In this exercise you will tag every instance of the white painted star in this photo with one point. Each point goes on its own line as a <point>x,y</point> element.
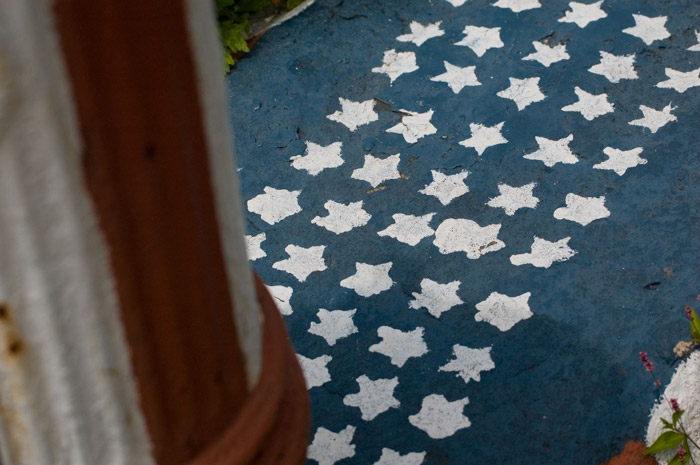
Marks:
<point>469,363</point>
<point>547,55</point>
<point>437,298</point>
<point>328,447</point>
<point>484,137</point>
<point>333,325</point>
<point>302,261</point>
<point>409,229</point>
<point>456,2</point>
<point>503,311</point>
<point>377,170</point>
<point>399,346</point>
<point>457,78</point>
<point>654,119</point>
<point>544,253</point>
<point>414,126</point>
<point>354,114</point>
<point>282,295</point>
<point>589,105</point>
<point>317,158</point>
<point>614,67</point>
<point>518,5</point>
<point>620,161</point>
<point>696,47</point>
<point>252,244</point>
<point>446,187</point>
<point>680,81</point>
<point>514,198</point>
<point>342,218</point>
<point>391,457</point>
<point>480,39</point>
<point>582,210</point>
<point>395,64</point>
<point>523,92</point>
<point>375,397</point>
<point>462,235</point>
<point>369,280</point>
<point>648,29</point>
<point>552,152</point>
<point>440,418</point>
<point>315,372</point>
<point>582,14</point>
<point>275,204</point>
<point>419,33</point>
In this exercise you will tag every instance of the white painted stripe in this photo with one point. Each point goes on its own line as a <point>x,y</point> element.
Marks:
<point>68,397</point>
<point>207,53</point>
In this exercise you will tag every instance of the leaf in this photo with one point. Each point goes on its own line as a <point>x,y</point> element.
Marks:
<point>293,3</point>
<point>695,325</point>
<point>674,460</point>
<point>666,423</point>
<point>667,440</point>
<point>676,416</point>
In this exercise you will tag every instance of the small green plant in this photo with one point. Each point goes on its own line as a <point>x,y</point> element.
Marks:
<point>676,437</point>
<point>234,24</point>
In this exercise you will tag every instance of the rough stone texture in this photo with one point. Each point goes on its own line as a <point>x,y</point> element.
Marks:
<point>632,454</point>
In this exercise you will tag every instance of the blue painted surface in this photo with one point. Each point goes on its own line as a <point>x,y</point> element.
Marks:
<point>568,387</point>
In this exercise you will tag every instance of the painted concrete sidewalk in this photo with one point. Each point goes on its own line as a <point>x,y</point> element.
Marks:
<point>474,215</point>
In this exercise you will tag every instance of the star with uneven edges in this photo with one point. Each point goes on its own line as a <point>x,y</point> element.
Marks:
<point>480,39</point>
<point>281,296</point>
<point>377,170</point>
<point>456,2</point>
<point>414,126</point>
<point>253,248</point>
<point>469,363</point>
<point>333,325</point>
<point>552,152</point>
<point>302,261</point>
<point>544,253</point>
<point>513,199</point>
<point>317,158</point>
<point>446,187</point>
<point>620,161</point>
<point>484,137</point>
<point>397,63</point>
<point>399,346</point>
<point>391,457</point>
<point>503,311</point>
<point>369,280</point>
<point>680,81</point>
<point>435,297</point>
<point>409,229</point>
<point>582,210</point>
<point>419,33</point>
<point>440,418</point>
<point>518,5</point>
<point>582,14</point>
<point>654,119</point>
<point>354,114</point>
<point>328,447</point>
<point>463,235</point>
<point>547,55</point>
<point>315,372</point>
<point>275,204</point>
<point>523,92</point>
<point>615,68</point>
<point>375,397</point>
<point>457,78</point>
<point>648,29</point>
<point>590,106</point>
<point>696,47</point>
<point>342,218</point>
